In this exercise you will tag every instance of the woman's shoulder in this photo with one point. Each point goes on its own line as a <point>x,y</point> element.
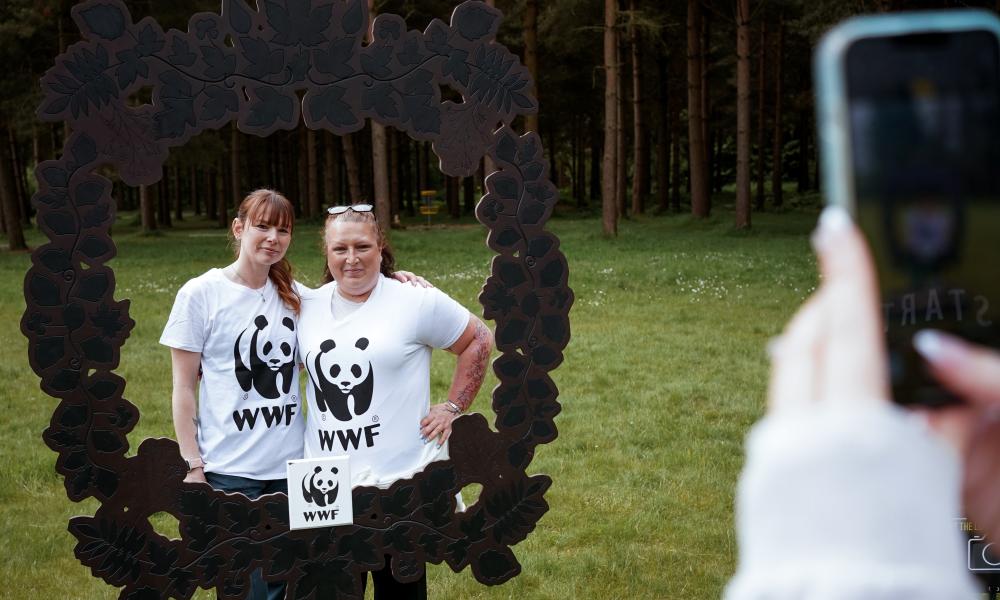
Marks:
<point>302,288</point>
<point>409,294</point>
<point>207,281</point>
<point>311,295</point>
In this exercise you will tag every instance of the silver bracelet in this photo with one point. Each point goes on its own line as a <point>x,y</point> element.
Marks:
<point>453,408</point>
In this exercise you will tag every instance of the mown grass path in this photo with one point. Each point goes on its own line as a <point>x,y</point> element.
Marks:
<point>664,374</point>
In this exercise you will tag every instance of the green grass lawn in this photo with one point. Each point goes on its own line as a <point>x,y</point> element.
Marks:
<point>663,376</point>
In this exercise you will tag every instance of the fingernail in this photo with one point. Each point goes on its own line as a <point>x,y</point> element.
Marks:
<point>935,346</point>
<point>833,221</point>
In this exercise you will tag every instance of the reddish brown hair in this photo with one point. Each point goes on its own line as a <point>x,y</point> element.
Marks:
<point>388,259</point>
<point>271,208</point>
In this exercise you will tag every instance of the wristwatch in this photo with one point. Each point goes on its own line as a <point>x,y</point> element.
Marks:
<point>194,463</point>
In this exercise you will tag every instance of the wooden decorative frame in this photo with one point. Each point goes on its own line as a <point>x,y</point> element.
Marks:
<point>247,66</point>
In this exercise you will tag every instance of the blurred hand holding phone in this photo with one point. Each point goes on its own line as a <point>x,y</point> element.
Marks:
<point>909,117</point>
<point>909,114</point>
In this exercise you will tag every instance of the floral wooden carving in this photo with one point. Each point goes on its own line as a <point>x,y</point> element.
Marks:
<point>248,66</point>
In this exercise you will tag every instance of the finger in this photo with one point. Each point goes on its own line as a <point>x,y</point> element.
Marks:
<point>982,484</point>
<point>434,433</point>
<point>794,359</point>
<point>972,372</point>
<point>854,351</point>
<point>954,425</point>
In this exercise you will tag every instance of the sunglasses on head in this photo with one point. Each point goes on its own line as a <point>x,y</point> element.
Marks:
<point>336,210</point>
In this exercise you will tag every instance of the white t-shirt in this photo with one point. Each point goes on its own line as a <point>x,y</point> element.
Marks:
<point>248,398</point>
<point>369,376</point>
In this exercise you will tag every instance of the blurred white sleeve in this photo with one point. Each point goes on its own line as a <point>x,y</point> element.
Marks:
<point>851,502</point>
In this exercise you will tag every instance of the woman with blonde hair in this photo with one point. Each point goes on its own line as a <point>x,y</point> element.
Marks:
<point>366,342</point>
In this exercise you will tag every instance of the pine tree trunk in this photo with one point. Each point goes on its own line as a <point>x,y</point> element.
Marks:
<point>302,175</point>
<point>333,160</point>
<point>663,137</point>
<point>531,55</point>
<point>425,165</point>
<point>776,166</point>
<point>273,164</point>
<point>675,157</point>
<point>175,192</point>
<point>468,195</point>
<point>8,197</point>
<point>211,199</point>
<point>329,171</point>
<point>220,190</point>
<point>451,196</point>
<point>640,150</point>
<point>700,206</point>
<point>196,190</point>
<point>742,114</point>
<point>394,188</point>
<point>380,154</point>
<point>609,178</point>
<point>147,209</point>
<point>312,178</point>
<point>621,164</point>
<point>581,164</point>
<point>554,173</point>
<point>353,174</point>
<point>761,109</point>
<point>408,183</point>
<point>380,174</point>
<point>20,185</point>
<point>804,128</point>
<point>163,199</point>
<point>363,144</point>
<point>706,102</point>
<point>596,153</point>
<point>235,166</point>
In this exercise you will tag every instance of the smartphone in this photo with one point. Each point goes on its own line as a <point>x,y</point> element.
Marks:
<point>908,111</point>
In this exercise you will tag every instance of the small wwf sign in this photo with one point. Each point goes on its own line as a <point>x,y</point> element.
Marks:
<point>319,492</point>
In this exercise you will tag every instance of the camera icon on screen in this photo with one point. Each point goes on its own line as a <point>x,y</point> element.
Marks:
<point>984,556</point>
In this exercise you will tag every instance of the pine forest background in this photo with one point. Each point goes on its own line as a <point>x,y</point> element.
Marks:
<point>646,106</point>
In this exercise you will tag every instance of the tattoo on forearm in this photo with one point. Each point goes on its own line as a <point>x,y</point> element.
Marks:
<point>477,370</point>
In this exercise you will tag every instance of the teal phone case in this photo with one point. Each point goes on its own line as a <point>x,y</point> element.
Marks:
<point>831,94</point>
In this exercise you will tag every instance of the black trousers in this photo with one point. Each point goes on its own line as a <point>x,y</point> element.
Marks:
<point>387,588</point>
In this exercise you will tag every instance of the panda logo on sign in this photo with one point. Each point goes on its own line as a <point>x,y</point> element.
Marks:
<point>271,354</point>
<point>320,488</point>
<point>342,379</point>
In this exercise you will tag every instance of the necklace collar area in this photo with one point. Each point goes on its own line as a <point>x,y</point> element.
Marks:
<point>233,276</point>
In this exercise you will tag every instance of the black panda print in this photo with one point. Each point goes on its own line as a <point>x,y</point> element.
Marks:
<point>320,488</point>
<point>272,354</point>
<point>342,379</point>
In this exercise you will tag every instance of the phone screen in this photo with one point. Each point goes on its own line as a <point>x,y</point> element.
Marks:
<point>924,116</point>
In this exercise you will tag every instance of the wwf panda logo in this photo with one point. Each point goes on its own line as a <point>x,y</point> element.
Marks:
<point>342,379</point>
<point>320,488</point>
<point>271,354</point>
